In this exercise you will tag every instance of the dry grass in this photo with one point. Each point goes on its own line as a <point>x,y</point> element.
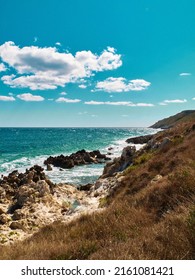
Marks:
<point>145,219</point>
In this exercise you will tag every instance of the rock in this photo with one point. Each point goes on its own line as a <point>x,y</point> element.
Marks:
<point>2,211</point>
<point>18,215</point>
<point>49,168</point>
<point>156,178</point>
<point>110,148</point>
<point>18,225</point>
<point>166,141</point>
<point>86,187</point>
<point>4,218</point>
<point>121,163</point>
<point>79,158</point>
<point>42,187</point>
<point>2,192</point>
<point>139,139</point>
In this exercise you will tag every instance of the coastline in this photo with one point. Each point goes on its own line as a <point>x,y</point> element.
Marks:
<point>67,203</point>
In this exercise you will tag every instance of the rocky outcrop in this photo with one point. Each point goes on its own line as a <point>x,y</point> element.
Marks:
<point>121,163</point>
<point>29,201</point>
<point>79,158</point>
<point>139,139</point>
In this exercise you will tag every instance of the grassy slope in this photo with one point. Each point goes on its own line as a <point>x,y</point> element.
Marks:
<point>144,219</point>
<point>184,116</point>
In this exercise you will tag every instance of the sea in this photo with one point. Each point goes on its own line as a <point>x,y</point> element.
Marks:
<point>21,148</point>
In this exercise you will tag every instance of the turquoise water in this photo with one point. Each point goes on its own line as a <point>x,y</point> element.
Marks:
<point>21,148</point>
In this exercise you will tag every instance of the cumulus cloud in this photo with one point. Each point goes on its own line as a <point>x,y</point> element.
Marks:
<point>122,85</point>
<point>47,68</point>
<point>29,97</point>
<point>173,101</point>
<point>2,67</point>
<point>67,100</point>
<point>63,93</point>
<point>58,44</point>
<point>119,103</point>
<point>82,86</point>
<point>193,98</point>
<point>6,98</point>
<point>185,74</point>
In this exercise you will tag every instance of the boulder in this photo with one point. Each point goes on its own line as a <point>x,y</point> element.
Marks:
<point>121,163</point>
<point>139,139</point>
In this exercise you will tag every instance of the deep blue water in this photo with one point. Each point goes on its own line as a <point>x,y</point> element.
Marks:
<point>20,148</point>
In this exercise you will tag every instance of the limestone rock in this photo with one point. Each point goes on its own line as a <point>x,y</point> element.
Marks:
<point>121,163</point>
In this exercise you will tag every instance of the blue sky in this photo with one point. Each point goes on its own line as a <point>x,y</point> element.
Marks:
<point>95,63</point>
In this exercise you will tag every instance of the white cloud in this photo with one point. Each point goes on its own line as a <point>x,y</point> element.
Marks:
<point>122,85</point>
<point>6,98</point>
<point>63,93</point>
<point>82,86</point>
<point>175,101</point>
<point>10,94</point>
<point>58,44</point>
<point>29,97</point>
<point>119,103</point>
<point>162,103</point>
<point>50,99</point>
<point>2,67</point>
<point>144,105</point>
<point>193,98</point>
<point>110,49</point>
<point>185,74</point>
<point>47,68</point>
<point>67,100</point>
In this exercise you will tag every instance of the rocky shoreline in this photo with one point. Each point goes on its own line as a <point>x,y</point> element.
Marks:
<point>29,200</point>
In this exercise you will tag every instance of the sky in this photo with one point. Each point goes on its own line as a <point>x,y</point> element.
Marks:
<point>100,63</point>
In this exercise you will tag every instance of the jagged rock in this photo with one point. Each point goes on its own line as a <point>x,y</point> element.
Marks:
<point>79,158</point>
<point>139,139</point>
<point>119,164</point>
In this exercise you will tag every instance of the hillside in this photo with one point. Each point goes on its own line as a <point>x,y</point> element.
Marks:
<point>183,116</point>
<point>148,211</point>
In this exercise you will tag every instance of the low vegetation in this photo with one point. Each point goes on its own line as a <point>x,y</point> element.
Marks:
<point>150,216</point>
